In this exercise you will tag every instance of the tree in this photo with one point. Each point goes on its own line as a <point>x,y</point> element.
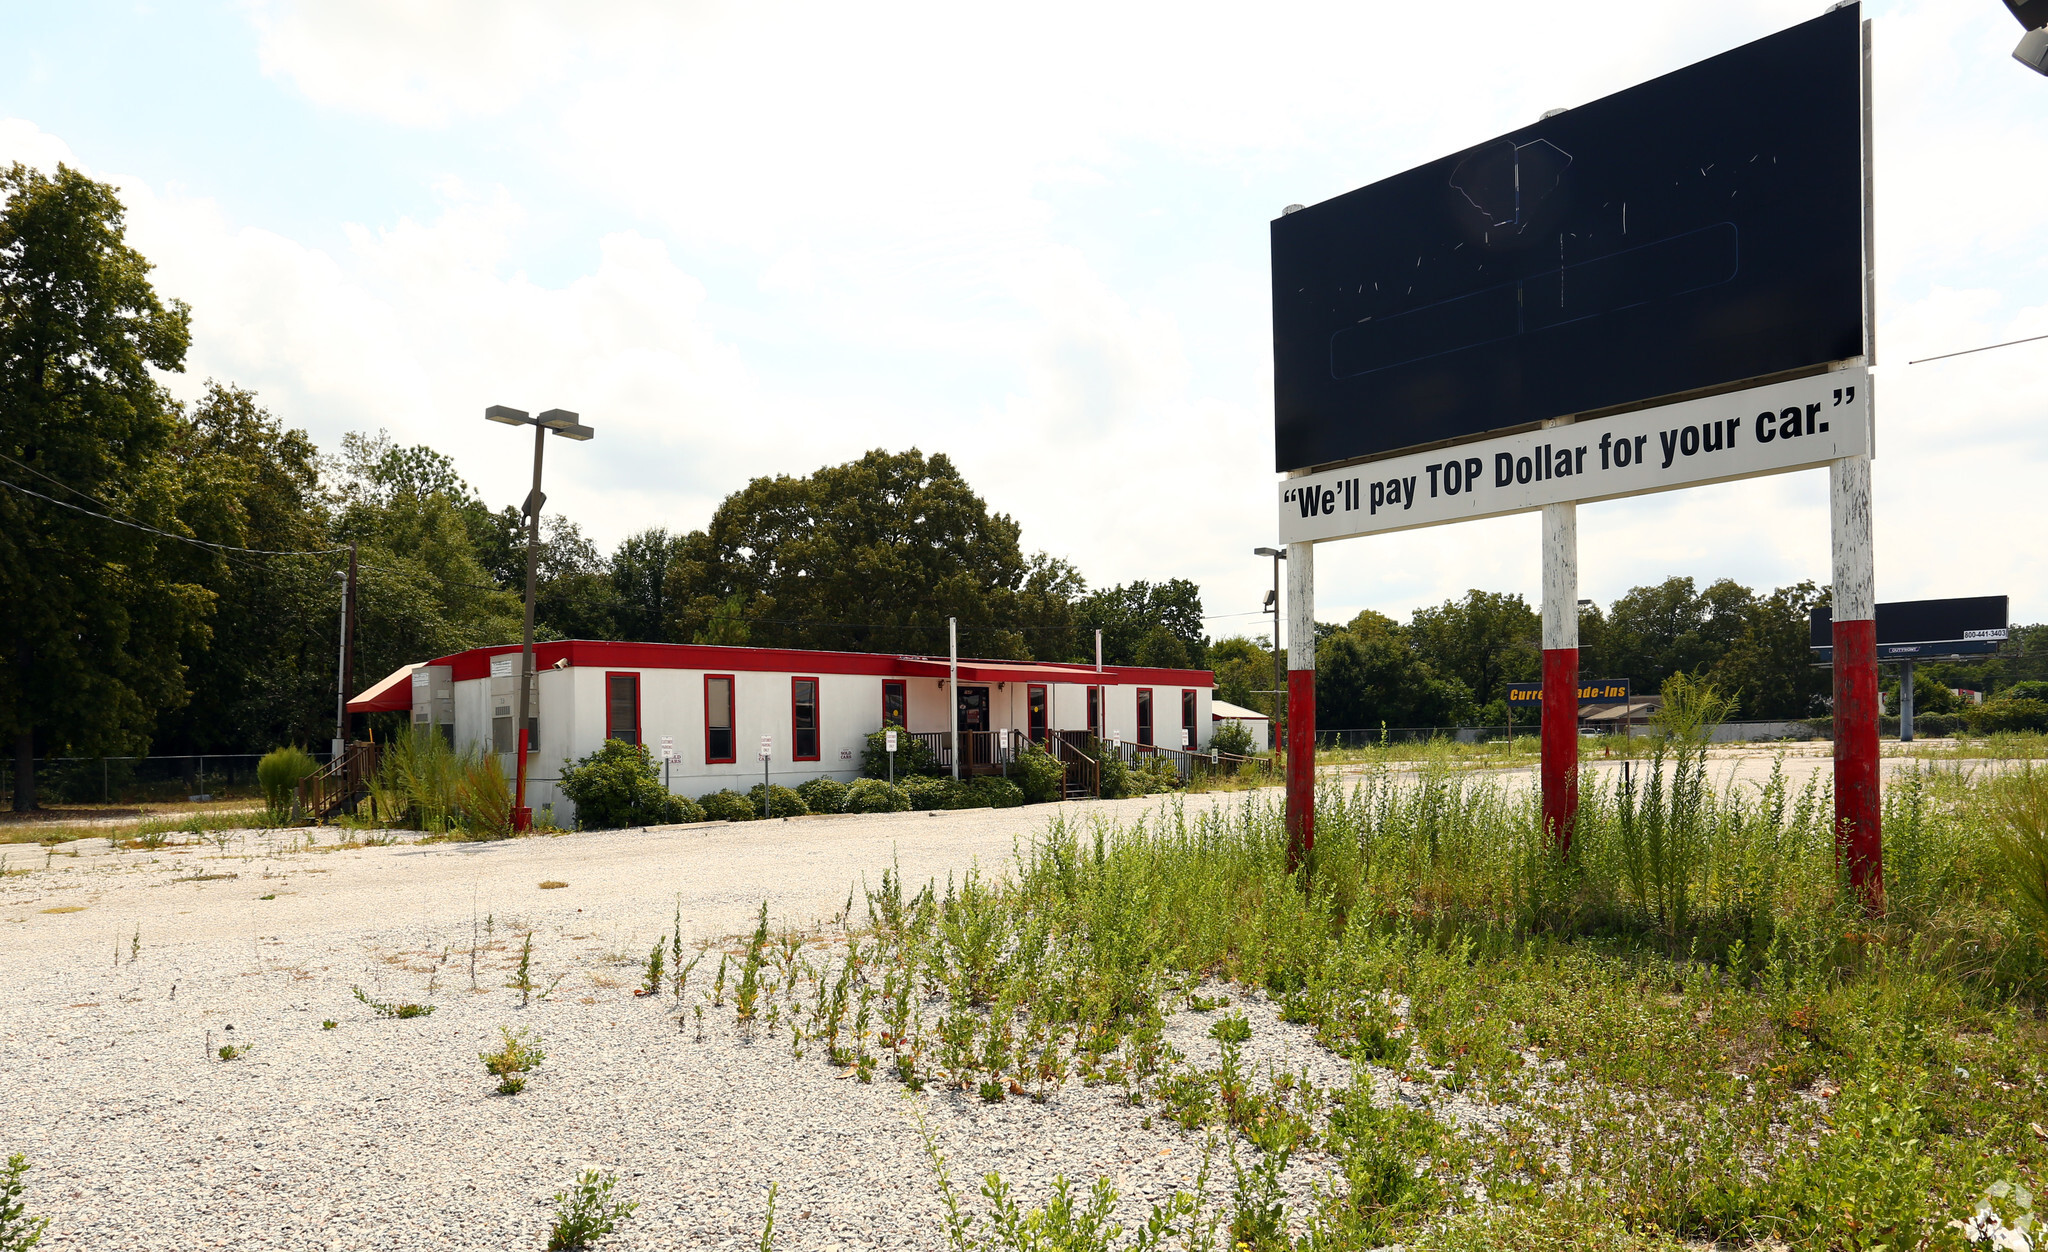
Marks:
<point>93,614</point>
<point>1147,624</point>
<point>1244,673</point>
<point>872,555</point>
<point>1769,667</point>
<point>1365,681</point>
<point>1485,641</point>
<point>639,573</point>
<point>267,674</point>
<point>1654,632</point>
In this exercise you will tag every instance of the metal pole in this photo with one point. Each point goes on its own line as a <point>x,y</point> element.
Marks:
<point>348,642</point>
<point>522,817</point>
<point>1301,703</point>
<point>1559,749</point>
<point>1905,702</point>
<point>1859,840</point>
<point>953,685</point>
<point>341,671</point>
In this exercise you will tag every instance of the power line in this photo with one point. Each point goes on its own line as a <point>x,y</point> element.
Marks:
<point>121,521</point>
<point>1986,348</point>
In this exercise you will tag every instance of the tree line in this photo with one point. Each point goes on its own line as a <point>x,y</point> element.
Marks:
<point>170,572</point>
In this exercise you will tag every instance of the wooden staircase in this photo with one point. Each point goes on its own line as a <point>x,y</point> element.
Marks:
<point>341,785</point>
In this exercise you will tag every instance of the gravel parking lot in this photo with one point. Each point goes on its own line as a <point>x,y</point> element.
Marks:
<point>385,1134</point>
<point>122,973</point>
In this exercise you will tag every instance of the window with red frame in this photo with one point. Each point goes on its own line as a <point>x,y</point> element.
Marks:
<point>622,707</point>
<point>803,718</point>
<point>1187,721</point>
<point>1095,711</point>
<point>1036,711</point>
<point>1145,716</point>
<point>895,703</point>
<point>718,736</point>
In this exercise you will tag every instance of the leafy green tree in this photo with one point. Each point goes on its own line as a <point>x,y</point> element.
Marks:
<point>1769,668</point>
<point>268,672</point>
<point>93,614</point>
<point>1485,641</point>
<point>1364,681</point>
<point>1654,632</point>
<point>1244,673</point>
<point>872,555</point>
<point>1145,623</point>
<point>639,573</point>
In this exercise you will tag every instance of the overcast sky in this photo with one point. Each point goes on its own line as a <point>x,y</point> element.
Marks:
<point>758,238</point>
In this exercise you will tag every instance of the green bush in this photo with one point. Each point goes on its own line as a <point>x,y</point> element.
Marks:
<point>912,756</point>
<point>728,806</point>
<point>1938,724</point>
<point>427,785</point>
<point>1152,774</point>
<point>2029,689</point>
<point>2006,715</point>
<point>872,795</point>
<point>1232,739</point>
<point>17,1229</point>
<point>935,793</point>
<point>993,791</point>
<point>617,786</point>
<point>1039,776</point>
<point>787,803</point>
<point>279,774</point>
<point>1116,776</point>
<point>823,795</point>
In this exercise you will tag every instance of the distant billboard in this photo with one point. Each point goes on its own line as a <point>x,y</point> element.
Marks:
<point>1591,691</point>
<point>1909,630</point>
<point>1697,231</point>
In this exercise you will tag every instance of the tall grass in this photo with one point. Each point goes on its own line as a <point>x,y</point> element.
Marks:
<point>1688,1013</point>
<point>428,785</point>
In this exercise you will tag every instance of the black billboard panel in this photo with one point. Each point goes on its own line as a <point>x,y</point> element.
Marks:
<point>1697,230</point>
<point>1961,626</point>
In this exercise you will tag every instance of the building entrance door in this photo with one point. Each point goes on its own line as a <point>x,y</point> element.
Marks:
<point>976,744</point>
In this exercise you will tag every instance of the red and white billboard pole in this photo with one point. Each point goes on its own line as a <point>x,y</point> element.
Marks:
<point>1301,703</point>
<point>1858,834</point>
<point>1560,759</point>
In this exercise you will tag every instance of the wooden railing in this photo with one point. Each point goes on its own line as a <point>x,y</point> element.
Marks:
<point>1083,772</point>
<point>341,784</point>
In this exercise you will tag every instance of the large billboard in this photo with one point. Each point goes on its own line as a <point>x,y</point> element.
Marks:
<point>1912,630</point>
<point>1697,231</point>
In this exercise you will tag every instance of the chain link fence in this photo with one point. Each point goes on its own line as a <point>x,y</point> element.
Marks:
<point>142,779</point>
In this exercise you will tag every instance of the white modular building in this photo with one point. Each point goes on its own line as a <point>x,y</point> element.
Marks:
<point>706,713</point>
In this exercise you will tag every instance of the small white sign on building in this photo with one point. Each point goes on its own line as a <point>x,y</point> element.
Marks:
<point>668,749</point>
<point>889,741</point>
<point>767,746</point>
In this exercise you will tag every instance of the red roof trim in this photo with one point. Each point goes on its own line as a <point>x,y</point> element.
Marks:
<point>605,654</point>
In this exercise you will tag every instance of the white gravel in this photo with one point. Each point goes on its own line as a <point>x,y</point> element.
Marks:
<point>385,1134</point>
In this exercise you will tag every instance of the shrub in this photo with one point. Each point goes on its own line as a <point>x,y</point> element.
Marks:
<point>586,1212</point>
<point>1116,776</point>
<point>912,756</point>
<point>483,797</point>
<point>616,786</point>
<point>935,793</point>
<point>727,806</point>
<point>1039,776</point>
<point>1152,774</point>
<point>279,773</point>
<point>2005,715</point>
<point>517,1055</point>
<point>823,795</point>
<point>995,792</point>
<point>1232,739</point>
<point>1938,724</point>
<point>872,795</point>
<point>787,803</point>
<point>2030,689</point>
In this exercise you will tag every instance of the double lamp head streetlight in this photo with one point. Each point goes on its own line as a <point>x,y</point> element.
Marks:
<point>2032,51</point>
<point>563,423</point>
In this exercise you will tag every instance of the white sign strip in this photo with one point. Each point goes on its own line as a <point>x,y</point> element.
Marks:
<point>1743,434</point>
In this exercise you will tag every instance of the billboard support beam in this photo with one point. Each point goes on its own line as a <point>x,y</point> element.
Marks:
<point>1859,845</point>
<point>1905,702</point>
<point>1301,704</point>
<point>1560,719</point>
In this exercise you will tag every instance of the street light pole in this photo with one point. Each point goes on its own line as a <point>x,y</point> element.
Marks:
<point>563,423</point>
<point>1273,607</point>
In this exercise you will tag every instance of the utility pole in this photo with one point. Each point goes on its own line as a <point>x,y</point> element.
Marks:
<point>1279,666</point>
<point>348,649</point>
<point>953,685</point>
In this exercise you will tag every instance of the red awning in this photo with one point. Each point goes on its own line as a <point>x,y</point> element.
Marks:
<point>392,694</point>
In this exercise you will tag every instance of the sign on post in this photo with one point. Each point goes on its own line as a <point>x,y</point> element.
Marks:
<point>668,749</point>
<point>889,746</point>
<point>1591,691</point>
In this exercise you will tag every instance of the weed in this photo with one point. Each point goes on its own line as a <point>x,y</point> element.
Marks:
<point>768,1222</point>
<point>553,885</point>
<point>586,1212</point>
<point>655,960</point>
<point>718,985</point>
<point>329,1024</point>
<point>229,1052</point>
<point>748,993</point>
<point>1231,1028</point>
<point>700,1024</point>
<point>522,980</point>
<point>18,1231</point>
<point>517,1056</point>
<point>400,1011</point>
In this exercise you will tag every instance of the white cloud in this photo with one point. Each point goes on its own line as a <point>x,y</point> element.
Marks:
<point>811,230</point>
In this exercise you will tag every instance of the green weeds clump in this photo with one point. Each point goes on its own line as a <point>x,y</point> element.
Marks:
<point>517,1056</point>
<point>18,1231</point>
<point>586,1212</point>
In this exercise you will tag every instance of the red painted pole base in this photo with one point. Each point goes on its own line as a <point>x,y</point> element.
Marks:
<point>1301,766</point>
<point>522,817</point>
<point>1859,835</point>
<point>1560,767</point>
